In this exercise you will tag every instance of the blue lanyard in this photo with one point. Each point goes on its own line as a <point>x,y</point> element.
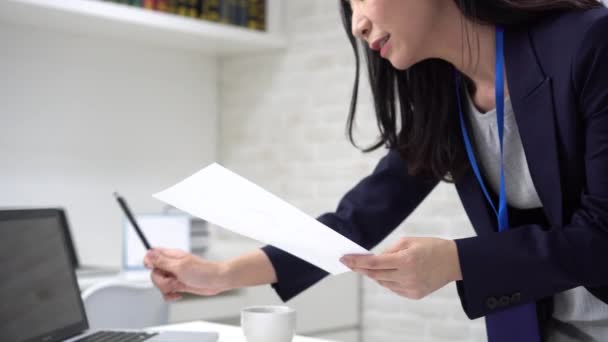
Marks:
<point>502,212</point>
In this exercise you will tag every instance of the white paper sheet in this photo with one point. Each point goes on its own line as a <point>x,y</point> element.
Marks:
<point>228,200</point>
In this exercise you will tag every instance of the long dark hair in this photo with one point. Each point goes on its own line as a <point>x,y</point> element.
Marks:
<point>425,129</point>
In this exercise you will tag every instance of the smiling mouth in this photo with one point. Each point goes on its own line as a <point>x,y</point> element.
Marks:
<point>384,46</point>
<point>378,44</point>
<point>384,41</point>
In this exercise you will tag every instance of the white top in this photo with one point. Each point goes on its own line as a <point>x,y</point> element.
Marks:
<point>521,192</point>
<point>578,315</point>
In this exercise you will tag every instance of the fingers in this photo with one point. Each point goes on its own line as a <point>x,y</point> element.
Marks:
<point>147,261</point>
<point>163,260</point>
<point>170,252</point>
<point>172,289</point>
<point>402,293</point>
<point>167,284</point>
<point>392,285</point>
<point>202,291</point>
<point>151,257</point>
<point>402,290</point>
<point>374,262</point>
<point>379,275</point>
<point>393,249</point>
<point>172,297</point>
<point>161,281</point>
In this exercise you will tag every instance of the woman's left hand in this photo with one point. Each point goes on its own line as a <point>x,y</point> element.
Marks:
<point>413,267</point>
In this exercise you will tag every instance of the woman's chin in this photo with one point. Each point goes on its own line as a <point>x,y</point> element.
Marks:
<point>400,61</point>
<point>399,64</point>
<point>399,67</point>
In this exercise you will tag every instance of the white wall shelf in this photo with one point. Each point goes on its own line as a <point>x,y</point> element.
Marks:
<point>99,18</point>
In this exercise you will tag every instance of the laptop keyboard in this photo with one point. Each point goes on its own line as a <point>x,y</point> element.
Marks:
<point>117,336</point>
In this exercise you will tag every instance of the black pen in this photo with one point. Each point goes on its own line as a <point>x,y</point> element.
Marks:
<point>131,218</point>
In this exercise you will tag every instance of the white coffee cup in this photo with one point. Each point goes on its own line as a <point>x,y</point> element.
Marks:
<point>268,323</point>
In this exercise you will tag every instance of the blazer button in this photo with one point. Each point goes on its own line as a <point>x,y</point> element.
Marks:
<point>491,303</point>
<point>516,297</point>
<point>504,301</point>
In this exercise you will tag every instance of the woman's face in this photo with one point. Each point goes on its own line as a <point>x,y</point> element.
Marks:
<point>401,30</point>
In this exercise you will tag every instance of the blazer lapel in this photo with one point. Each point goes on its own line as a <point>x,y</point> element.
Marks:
<point>532,98</point>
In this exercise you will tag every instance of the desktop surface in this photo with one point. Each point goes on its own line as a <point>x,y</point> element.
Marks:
<point>228,333</point>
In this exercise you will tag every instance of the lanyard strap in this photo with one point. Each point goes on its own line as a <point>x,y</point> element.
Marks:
<point>502,212</point>
<point>518,323</point>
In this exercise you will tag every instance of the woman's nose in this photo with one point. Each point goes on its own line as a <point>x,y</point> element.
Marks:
<point>361,27</point>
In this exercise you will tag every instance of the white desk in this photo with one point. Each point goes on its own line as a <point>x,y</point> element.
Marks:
<point>138,276</point>
<point>338,321</point>
<point>228,333</point>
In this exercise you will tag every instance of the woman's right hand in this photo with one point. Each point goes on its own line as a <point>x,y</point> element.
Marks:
<point>175,271</point>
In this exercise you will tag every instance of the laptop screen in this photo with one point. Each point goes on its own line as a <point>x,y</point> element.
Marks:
<point>39,295</point>
<point>64,224</point>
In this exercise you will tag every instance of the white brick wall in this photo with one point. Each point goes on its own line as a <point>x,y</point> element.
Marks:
<point>282,125</point>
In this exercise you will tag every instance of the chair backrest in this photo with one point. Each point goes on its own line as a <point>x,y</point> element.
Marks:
<point>123,305</point>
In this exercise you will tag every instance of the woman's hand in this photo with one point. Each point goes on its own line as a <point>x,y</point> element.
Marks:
<point>175,271</point>
<point>412,268</point>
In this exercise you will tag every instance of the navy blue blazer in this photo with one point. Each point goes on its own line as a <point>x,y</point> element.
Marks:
<point>557,73</point>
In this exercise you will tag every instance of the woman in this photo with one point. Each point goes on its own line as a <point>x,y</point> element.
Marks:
<point>507,99</point>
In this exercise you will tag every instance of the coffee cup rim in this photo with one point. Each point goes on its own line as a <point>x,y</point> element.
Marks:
<point>284,310</point>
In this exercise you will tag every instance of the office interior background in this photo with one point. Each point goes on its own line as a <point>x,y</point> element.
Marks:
<point>89,108</point>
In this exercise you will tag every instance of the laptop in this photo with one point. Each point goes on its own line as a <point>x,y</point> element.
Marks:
<point>61,221</point>
<point>39,296</point>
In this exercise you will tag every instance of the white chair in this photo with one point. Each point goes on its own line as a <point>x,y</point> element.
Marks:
<point>124,305</point>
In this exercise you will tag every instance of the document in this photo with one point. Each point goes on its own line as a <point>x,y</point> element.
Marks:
<point>226,199</point>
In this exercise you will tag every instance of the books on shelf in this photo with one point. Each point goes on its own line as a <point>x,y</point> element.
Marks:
<point>250,14</point>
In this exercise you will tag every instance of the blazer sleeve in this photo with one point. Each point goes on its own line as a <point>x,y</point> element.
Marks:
<point>532,262</point>
<point>366,215</point>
